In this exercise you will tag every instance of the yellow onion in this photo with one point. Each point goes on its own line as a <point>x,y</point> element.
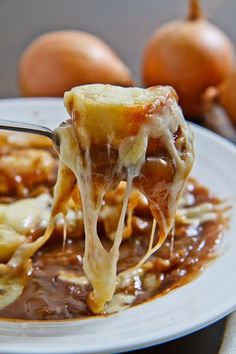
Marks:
<point>57,61</point>
<point>190,55</point>
<point>223,95</point>
<point>227,95</point>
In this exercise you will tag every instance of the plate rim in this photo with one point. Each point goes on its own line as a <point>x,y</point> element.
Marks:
<point>142,342</point>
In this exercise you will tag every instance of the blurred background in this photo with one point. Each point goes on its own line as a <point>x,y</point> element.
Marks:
<point>125,25</point>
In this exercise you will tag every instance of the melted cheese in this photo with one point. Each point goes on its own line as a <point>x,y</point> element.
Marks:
<point>11,286</point>
<point>72,277</point>
<point>10,240</point>
<point>111,209</point>
<point>106,141</point>
<point>198,214</point>
<point>119,302</point>
<point>27,215</point>
<point>99,265</point>
<point>120,120</point>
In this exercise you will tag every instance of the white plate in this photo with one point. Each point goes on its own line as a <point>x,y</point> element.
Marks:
<point>191,307</point>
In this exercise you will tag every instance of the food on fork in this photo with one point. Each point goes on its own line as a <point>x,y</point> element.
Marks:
<point>124,159</point>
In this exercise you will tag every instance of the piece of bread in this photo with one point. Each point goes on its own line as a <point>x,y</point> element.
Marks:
<point>133,134</point>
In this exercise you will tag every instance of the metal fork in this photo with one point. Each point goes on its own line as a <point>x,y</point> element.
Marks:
<point>29,128</point>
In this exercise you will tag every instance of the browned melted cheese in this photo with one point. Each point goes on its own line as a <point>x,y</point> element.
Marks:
<point>131,134</point>
<point>119,134</point>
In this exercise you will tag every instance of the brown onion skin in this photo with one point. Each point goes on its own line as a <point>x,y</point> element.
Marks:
<point>189,55</point>
<point>57,61</point>
<point>227,96</point>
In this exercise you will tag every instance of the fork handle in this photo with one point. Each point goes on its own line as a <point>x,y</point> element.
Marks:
<point>27,128</point>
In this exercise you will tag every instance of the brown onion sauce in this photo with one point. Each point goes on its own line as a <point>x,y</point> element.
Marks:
<point>46,297</point>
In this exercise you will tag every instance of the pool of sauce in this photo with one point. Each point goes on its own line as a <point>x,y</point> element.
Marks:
<point>183,256</point>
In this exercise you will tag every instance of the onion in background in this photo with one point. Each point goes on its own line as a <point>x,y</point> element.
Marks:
<point>190,55</point>
<point>220,107</point>
<point>57,61</point>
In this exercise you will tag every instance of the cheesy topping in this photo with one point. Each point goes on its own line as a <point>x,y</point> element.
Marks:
<point>26,215</point>
<point>116,134</point>
<point>9,242</point>
<point>107,141</point>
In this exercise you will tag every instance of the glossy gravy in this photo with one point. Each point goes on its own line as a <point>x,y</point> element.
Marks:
<point>180,259</point>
